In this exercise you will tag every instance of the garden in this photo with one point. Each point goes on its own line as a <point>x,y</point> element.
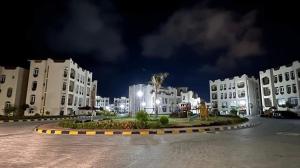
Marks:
<point>143,121</point>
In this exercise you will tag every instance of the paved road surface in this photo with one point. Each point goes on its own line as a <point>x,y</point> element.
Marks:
<point>274,143</point>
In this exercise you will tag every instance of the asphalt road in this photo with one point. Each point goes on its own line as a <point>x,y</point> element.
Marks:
<point>274,143</point>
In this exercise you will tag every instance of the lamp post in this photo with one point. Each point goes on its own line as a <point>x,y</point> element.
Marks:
<point>140,94</point>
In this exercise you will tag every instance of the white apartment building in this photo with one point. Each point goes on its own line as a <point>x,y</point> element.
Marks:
<point>280,86</point>
<point>13,87</point>
<point>192,98</point>
<point>240,93</point>
<point>121,105</point>
<point>141,97</point>
<point>58,87</point>
<point>102,102</point>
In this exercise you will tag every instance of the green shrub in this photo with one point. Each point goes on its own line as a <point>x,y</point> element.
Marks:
<point>233,112</point>
<point>164,120</point>
<point>37,115</point>
<point>142,116</point>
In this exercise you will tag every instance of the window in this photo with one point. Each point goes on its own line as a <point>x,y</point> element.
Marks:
<point>288,89</point>
<point>89,81</point>
<point>225,95</point>
<point>241,93</point>
<point>215,104</point>
<point>221,95</point>
<point>275,79</point>
<point>267,91</point>
<point>221,87</point>
<point>35,72</point>
<point>9,92</point>
<point>224,86</point>
<point>292,75</point>
<point>71,86</point>
<point>88,92</point>
<point>224,105</point>
<point>241,85</point>
<point>214,96</point>
<point>229,86</point>
<point>294,88</point>
<point>65,72</point>
<point>281,102</point>
<point>277,90</point>
<point>287,76</point>
<point>32,99</point>
<point>164,109</point>
<point>281,90</point>
<point>267,102</point>
<point>70,99</point>
<point>76,99</point>
<point>72,74</point>
<point>298,73</point>
<point>213,88</point>
<point>63,100</point>
<point>265,80</point>
<point>78,76</point>
<point>34,85</point>
<point>2,78</point>
<point>233,86</point>
<point>7,105</point>
<point>64,86</point>
<point>230,95</point>
<point>234,95</point>
<point>280,77</point>
<point>77,89</point>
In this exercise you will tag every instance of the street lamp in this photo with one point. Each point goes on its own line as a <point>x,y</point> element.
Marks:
<point>122,107</point>
<point>140,94</point>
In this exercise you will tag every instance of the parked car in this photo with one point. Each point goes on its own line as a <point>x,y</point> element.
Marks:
<point>269,113</point>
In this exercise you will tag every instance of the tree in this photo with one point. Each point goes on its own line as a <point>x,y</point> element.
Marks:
<point>156,81</point>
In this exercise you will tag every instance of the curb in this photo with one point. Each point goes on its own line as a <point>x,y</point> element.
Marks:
<point>145,132</point>
<point>39,119</point>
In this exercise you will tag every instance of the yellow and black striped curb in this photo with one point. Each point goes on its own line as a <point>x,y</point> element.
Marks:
<point>144,132</point>
<point>39,119</point>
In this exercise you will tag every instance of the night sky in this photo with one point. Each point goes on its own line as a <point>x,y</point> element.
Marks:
<point>123,42</point>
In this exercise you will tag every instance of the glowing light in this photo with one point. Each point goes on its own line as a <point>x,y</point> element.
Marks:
<point>157,101</point>
<point>140,93</point>
<point>143,104</point>
<point>122,106</point>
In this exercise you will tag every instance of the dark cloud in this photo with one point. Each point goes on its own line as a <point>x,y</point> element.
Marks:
<point>207,30</point>
<point>85,30</point>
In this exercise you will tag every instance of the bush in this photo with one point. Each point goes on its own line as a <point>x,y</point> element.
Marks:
<point>233,112</point>
<point>164,120</point>
<point>142,116</point>
<point>37,115</point>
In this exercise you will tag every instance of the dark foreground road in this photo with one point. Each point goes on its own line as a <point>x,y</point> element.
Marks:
<point>274,143</point>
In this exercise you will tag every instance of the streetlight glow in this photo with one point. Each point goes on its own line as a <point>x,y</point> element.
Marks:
<point>140,93</point>
<point>122,106</point>
<point>143,104</point>
<point>157,101</point>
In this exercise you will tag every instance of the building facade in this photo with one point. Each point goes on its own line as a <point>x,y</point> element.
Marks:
<point>58,87</point>
<point>280,86</point>
<point>191,98</point>
<point>121,105</point>
<point>141,97</point>
<point>239,93</point>
<point>13,87</point>
<point>102,102</point>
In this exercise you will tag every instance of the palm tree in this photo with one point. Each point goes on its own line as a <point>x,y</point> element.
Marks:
<point>156,81</point>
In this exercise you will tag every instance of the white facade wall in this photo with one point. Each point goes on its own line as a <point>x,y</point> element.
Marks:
<point>121,105</point>
<point>240,93</point>
<point>61,87</point>
<point>167,97</point>
<point>13,87</point>
<point>192,98</point>
<point>102,102</point>
<point>280,85</point>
